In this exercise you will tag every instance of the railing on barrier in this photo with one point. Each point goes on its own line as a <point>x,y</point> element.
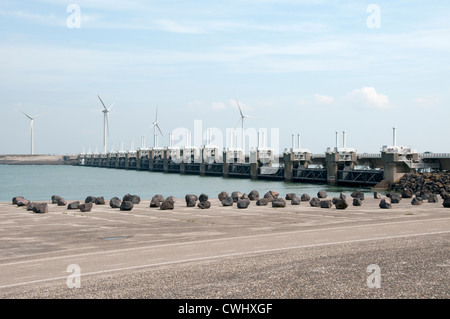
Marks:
<point>434,155</point>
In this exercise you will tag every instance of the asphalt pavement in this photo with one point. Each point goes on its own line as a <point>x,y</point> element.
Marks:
<point>296,252</point>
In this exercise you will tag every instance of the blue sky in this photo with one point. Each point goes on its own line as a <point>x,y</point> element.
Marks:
<point>309,67</point>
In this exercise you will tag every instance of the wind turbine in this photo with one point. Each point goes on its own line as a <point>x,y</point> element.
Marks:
<point>31,129</point>
<point>105,122</point>
<point>243,116</point>
<point>156,126</point>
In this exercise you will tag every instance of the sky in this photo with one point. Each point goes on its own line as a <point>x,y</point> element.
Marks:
<point>309,67</point>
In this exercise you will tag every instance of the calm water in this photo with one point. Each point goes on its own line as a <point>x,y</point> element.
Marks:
<point>40,182</point>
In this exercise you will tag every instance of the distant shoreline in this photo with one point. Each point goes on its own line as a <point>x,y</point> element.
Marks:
<point>38,159</point>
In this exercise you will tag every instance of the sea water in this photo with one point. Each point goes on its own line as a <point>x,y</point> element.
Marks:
<point>40,182</point>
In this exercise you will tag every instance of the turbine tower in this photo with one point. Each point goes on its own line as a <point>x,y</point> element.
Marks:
<point>156,126</point>
<point>31,129</point>
<point>243,116</point>
<point>105,122</point>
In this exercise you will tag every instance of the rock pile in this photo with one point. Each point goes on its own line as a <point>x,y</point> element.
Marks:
<point>435,183</point>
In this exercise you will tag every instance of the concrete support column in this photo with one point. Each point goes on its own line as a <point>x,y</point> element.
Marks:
<point>288,159</point>
<point>331,160</point>
<point>225,164</point>
<point>151,157</point>
<point>127,161</point>
<point>254,160</point>
<point>394,168</point>
<point>391,172</point>
<point>165,154</point>
<point>138,160</point>
<point>182,163</point>
<point>254,170</point>
<point>203,162</point>
<point>332,171</point>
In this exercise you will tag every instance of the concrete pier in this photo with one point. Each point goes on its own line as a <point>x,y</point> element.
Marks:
<point>20,159</point>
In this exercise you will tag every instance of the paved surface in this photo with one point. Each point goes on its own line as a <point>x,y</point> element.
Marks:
<point>226,252</point>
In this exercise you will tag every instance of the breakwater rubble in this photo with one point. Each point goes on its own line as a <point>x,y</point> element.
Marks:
<point>421,184</point>
<point>243,201</point>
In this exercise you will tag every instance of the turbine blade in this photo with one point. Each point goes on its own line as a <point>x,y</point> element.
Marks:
<point>159,129</point>
<point>39,115</point>
<point>30,117</point>
<point>111,106</point>
<point>237,122</point>
<point>102,102</point>
<point>240,111</point>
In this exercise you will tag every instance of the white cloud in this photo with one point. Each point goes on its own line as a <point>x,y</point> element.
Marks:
<point>117,5</point>
<point>49,19</point>
<point>218,106</point>
<point>244,107</point>
<point>236,25</point>
<point>194,106</point>
<point>369,97</point>
<point>323,99</point>
<point>172,26</point>
<point>427,102</point>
